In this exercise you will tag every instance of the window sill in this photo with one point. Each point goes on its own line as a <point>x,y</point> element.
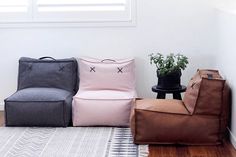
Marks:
<point>131,23</point>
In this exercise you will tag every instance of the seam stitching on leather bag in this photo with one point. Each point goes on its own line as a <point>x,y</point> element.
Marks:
<point>163,112</point>
<point>202,115</point>
<point>199,94</point>
<point>186,109</point>
<point>196,103</point>
<point>220,115</point>
<point>135,124</point>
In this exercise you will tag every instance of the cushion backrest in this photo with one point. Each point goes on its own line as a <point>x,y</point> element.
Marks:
<point>204,93</point>
<point>107,74</point>
<point>49,72</point>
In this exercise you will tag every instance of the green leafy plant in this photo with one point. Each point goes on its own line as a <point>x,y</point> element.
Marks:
<point>168,64</point>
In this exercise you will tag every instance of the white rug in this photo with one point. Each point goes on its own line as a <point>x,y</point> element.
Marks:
<point>69,142</point>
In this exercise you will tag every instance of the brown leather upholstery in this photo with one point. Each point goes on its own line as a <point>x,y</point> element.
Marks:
<point>200,119</point>
<point>203,95</point>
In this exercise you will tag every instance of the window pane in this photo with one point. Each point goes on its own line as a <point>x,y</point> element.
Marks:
<point>13,5</point>
<point>13,9</point>
<point>80,5</point>
<point>13,2</point>
<point>79,8</point>
<point>87,2</point>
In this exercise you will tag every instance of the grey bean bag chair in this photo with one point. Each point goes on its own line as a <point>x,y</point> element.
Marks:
<point>44,95</point>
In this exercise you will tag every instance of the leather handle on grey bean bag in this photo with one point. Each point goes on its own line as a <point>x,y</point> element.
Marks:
<point>61,67</point>
<point>47,57</point>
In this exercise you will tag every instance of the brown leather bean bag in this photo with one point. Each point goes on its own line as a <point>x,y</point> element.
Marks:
<point>200,119</point>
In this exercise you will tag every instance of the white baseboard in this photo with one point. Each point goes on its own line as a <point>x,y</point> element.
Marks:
<point>232,138</point>
<point>1,106</point>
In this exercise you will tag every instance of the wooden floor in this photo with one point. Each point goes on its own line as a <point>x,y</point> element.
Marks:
<point>225,150</point>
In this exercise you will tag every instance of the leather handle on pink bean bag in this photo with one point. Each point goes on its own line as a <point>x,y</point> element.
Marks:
<point>109,60</point>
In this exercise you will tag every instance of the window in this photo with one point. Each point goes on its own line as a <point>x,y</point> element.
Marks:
<point>67,11</point>
<point>14,10</point>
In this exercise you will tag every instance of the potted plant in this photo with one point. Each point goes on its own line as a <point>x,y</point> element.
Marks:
<point>169,69</point>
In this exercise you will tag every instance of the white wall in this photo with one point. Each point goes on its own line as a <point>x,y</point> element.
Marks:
<point>165,26</point>
<point>227,57</point>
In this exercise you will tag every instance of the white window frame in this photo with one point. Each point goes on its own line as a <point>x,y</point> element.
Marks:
<point>32,19</point>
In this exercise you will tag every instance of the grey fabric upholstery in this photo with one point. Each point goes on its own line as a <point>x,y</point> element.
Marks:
<point>39,107</point>
<point>44,95</point>
<point>60,73</point>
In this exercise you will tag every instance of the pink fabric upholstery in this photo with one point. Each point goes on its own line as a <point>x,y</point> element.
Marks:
<point>106,92</point>
<point>97,112</point>
<point>97,74</point>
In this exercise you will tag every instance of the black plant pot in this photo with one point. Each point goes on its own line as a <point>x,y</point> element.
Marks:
<point>169,81</point>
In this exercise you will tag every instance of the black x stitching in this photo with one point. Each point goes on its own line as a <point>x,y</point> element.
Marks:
<point>119,70</point>
<point>30,67</point>
<point>92,69</point>
<point>61,68</point>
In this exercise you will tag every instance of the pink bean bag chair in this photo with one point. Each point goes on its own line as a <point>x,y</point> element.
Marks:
<point>106,92</point>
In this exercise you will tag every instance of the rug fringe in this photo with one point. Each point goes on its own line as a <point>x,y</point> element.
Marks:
<point>143,150</point>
